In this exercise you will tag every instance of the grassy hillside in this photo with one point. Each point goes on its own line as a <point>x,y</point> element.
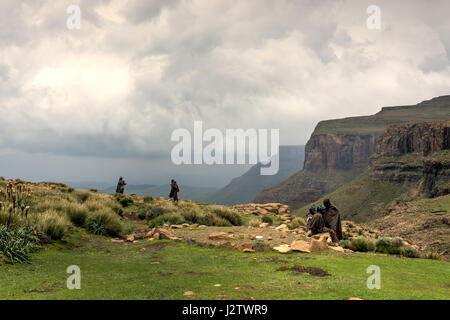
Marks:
<point>362,198</point>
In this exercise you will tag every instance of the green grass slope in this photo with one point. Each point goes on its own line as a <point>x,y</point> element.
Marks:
<point>167,269</point>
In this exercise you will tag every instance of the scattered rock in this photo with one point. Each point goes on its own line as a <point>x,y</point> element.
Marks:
<point>338,249</point>
<point>284,248</point>
<point>300,245</point>
<point>318,245</point>
<point>244,245</point>
<point>130,238</point>
<point>188,293</point>
<point>220,236</point>
<point>354,298</point>
<point>282,227</point>
<point>248,250</point>
<point>264,225</point>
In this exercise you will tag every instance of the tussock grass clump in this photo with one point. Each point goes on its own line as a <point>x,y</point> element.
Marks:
<point>54,224</point>
<point>229,215</point>
<point>104,222</point>
<point>81,195</point>
<point>389,246</point>
<point>254,222</point>
<point>358,244</point>
<point>77,214</point>
<point>166,218</point>
<point>124,200</point>
<point>296,222</point>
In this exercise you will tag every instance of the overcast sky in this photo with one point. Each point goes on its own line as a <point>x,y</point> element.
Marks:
<point>85,104</point>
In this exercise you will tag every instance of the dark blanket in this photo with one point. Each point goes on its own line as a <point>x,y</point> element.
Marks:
<point>332,220</point>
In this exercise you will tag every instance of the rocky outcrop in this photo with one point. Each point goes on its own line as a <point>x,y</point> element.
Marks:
<point>422,138</point>
<point>331,152</point>
<point>436,178</point>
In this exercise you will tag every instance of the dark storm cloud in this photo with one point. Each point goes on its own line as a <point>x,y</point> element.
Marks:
<point>137,70</point>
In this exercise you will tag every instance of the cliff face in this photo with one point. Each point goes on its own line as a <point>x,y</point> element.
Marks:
<point>339,150</point>
<point>331,152</point>
<point>421,138</point>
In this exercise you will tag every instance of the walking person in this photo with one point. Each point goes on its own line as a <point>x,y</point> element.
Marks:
<point>121,186</point>
<point>174,190</point>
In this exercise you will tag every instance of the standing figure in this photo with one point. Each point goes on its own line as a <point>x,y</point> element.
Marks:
<point>121,186</point>
<point>174,190</point>
<point>332,218</point>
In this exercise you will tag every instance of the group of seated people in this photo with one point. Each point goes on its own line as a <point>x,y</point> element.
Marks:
<point>324,218</point>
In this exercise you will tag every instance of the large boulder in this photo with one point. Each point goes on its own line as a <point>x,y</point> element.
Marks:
<point>300,245</point>
<point>318,245</point>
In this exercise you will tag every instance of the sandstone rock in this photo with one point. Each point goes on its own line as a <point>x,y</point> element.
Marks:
<point>176,226</point>
<point>130,238</point>
<point>244,245</point>
<point>339,249</point>
<point>220,236</point>
<point>318,245</point>
<point>284,248</point>
<point>185,224</point>
<point>282,227</point>
<point>264,225</point>
<point>188,293</point>
<point>248,250</point>
<point>300,245</point>
<point>194,225</point>
<point>354,298</point>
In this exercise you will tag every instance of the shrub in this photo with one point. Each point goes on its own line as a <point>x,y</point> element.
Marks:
<point>124,200</point>
<point>389,246</point>
<point>77,214</point>
<point>410,252</point>
<point>166,218</point>
<point>430,255</point>
<point>296,222</point>
<point>53,224</point>
<point>232,217</point>
<point>358,244</point>
<point>154,210</point>
<point>254,222</point>
<point>93,190</point>
<point>267,219</point>
<point>192,214</point>
<point>104,219</point>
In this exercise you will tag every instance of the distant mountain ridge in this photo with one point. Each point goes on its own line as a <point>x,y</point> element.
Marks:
<point>244,188</point>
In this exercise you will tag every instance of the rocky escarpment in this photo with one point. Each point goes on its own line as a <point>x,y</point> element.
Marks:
<point>415,152</point>
<point>421,138</point>
<point>331,152</point>
<point>339,150</point>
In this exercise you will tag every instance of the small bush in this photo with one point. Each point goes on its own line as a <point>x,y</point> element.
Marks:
<point>167,218</point>
<point>296,222</point>
<point>267,219</point>
<point>389,246</point>
<point>232,217</point>
<point>410,252</point>
<point>104,219</point>
<point>358,244</point>
<point>430,255</point>
<point>124,200</point>
<point>93,190</point>
<point>254,222</point>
